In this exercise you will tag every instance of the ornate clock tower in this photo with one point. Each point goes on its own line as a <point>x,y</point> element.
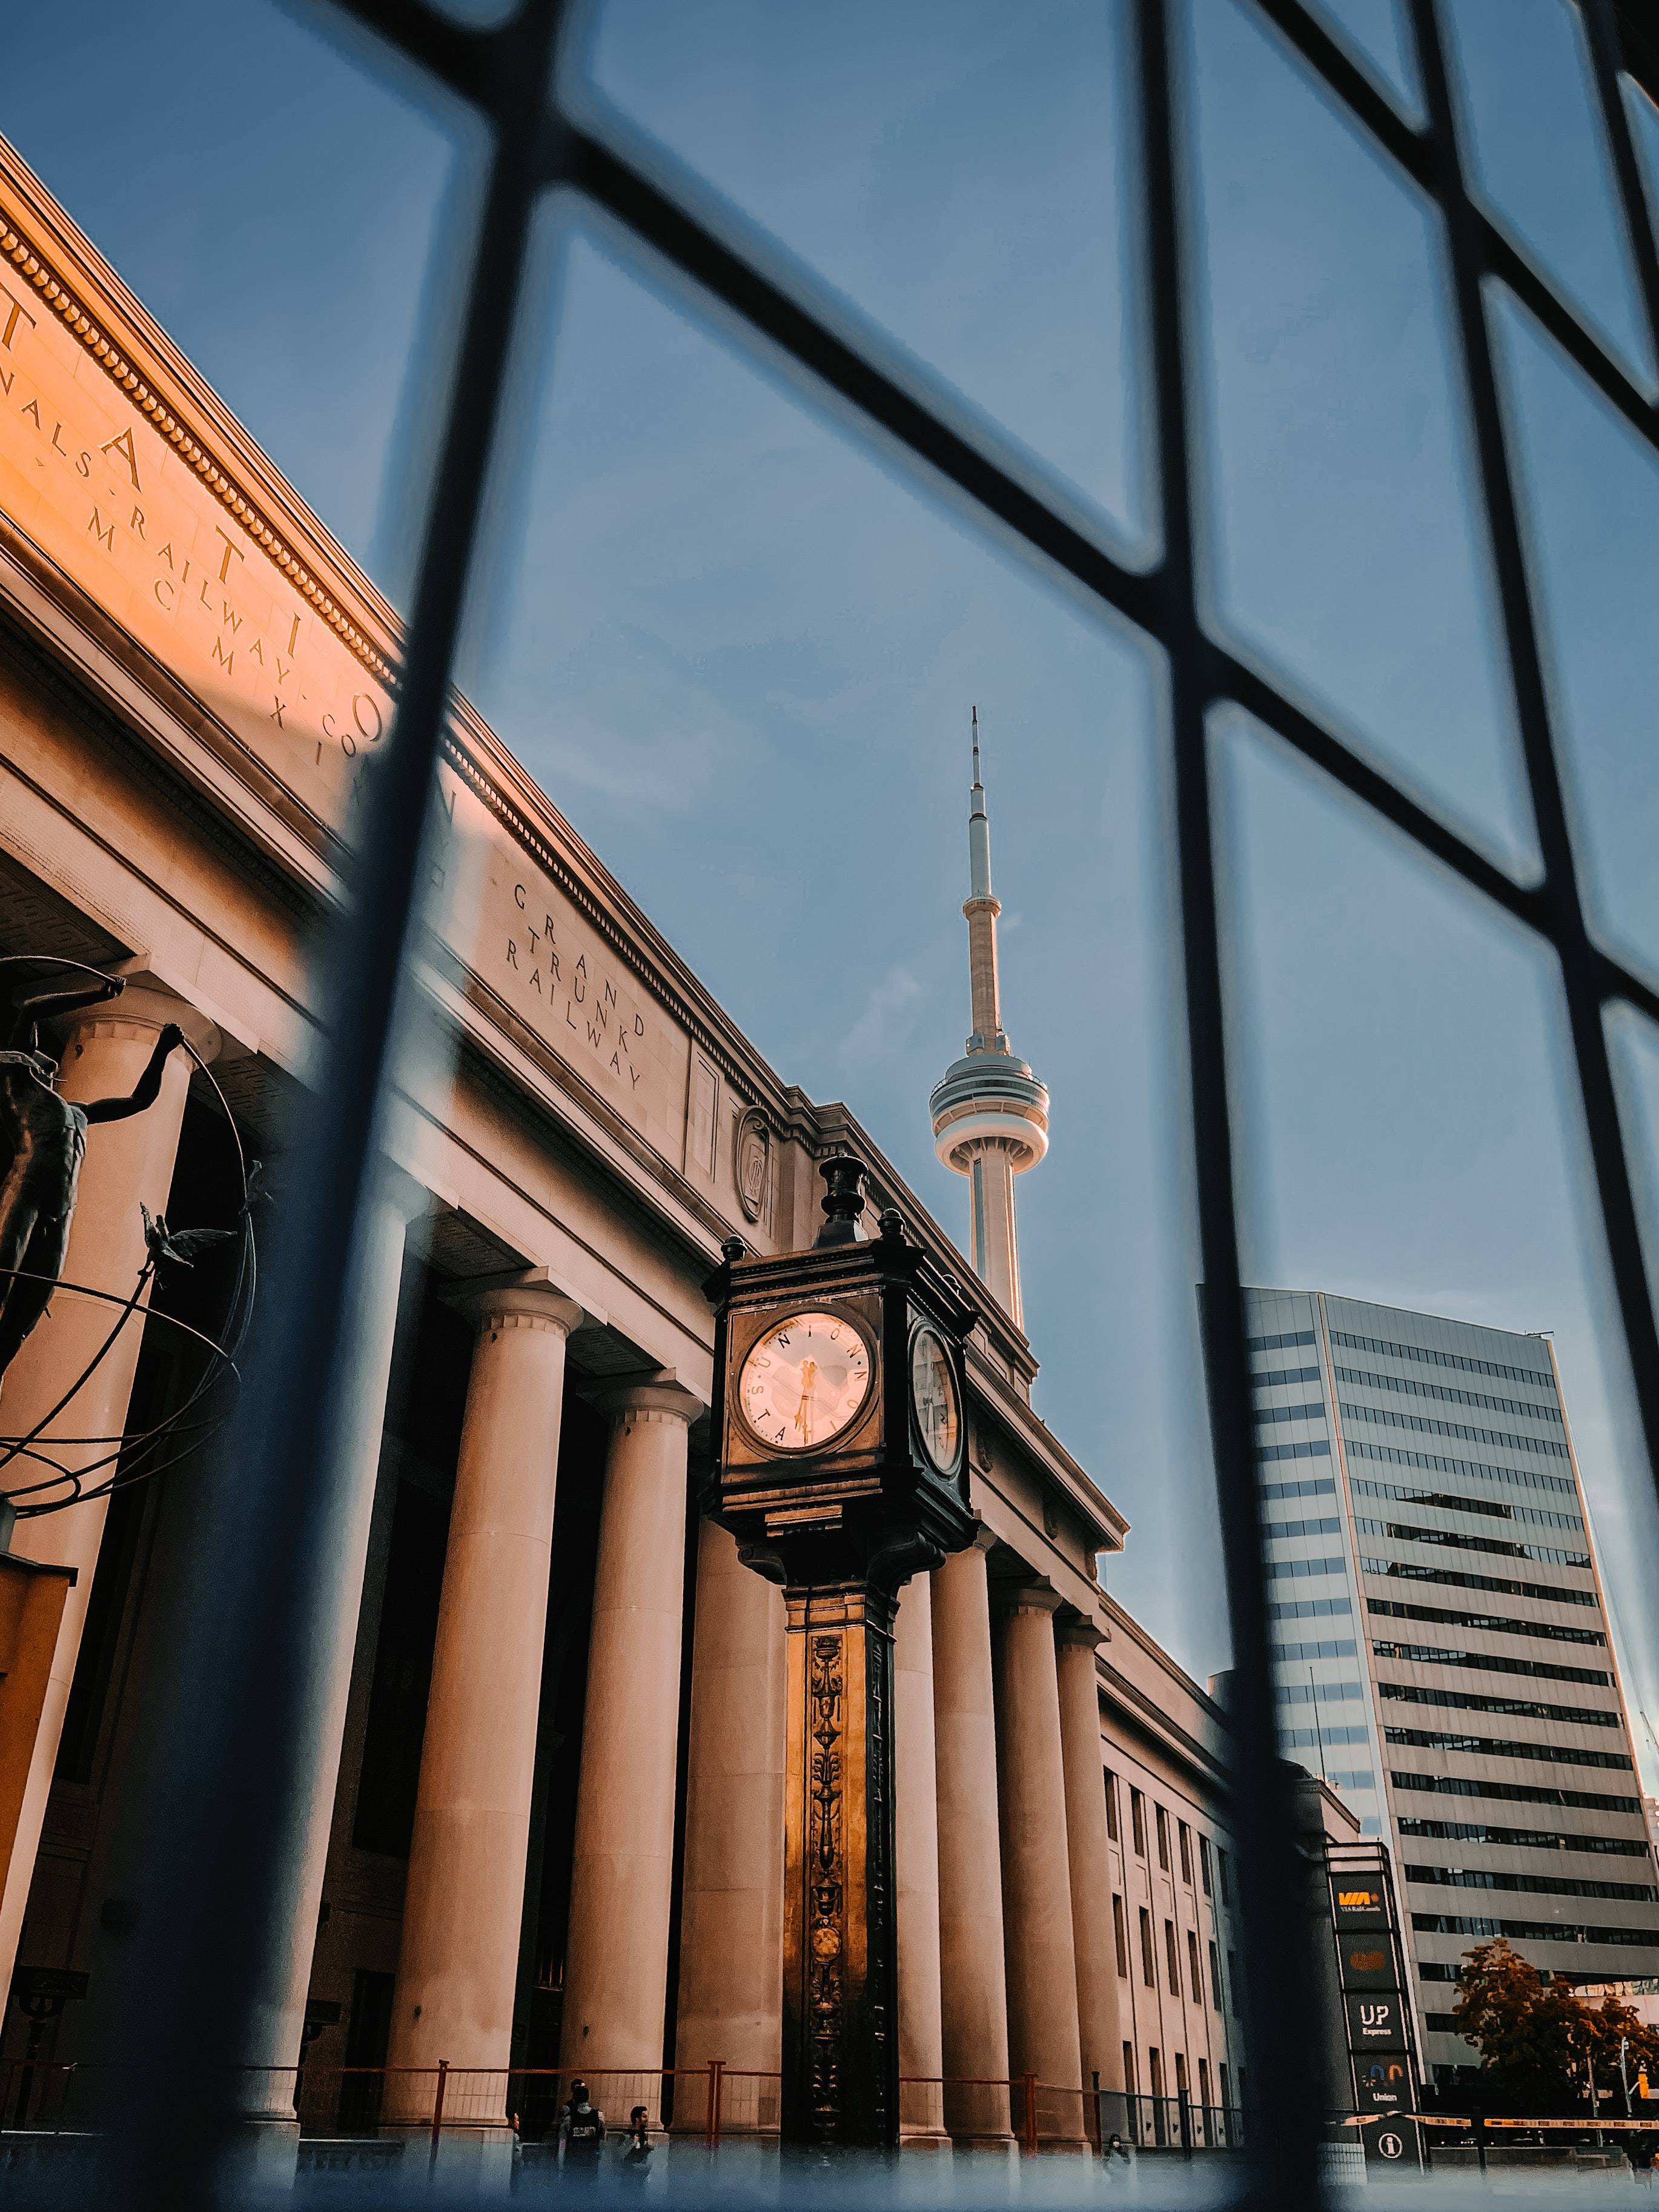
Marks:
<point>839,1427</point>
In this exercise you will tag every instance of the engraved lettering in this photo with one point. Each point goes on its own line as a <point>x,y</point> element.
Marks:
<point>512,954</point>
<point>232,620</point>
<point>122,445</point>
<point>277,713</point>
<point>360,700</point>
<point>162,584</point>
<point>18,313</point>
<point>519,896</point>
<point>231,547</point>
<point>166,554</point>
<point>294,638</point>
<point>227,660</point>
<point>32,407</point>
<point>105,537</point>
<point>55,427</point>
<point>136,525</point>
<point>83,463</point>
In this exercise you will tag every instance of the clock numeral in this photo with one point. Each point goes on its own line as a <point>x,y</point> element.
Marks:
<point>783,1338</point>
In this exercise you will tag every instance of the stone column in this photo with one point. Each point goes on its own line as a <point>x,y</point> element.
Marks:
<point>1042,1971</point>
<point>974,2004</point>
<point>465,1900</point>
<point>1099,2042</point>
<point>731,1905</point>
<point>920,2032</point>
<point>128,1164</point>
<point>616,1958</point>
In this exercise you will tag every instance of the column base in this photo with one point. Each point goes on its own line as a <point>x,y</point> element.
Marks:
<point>989,2145</point>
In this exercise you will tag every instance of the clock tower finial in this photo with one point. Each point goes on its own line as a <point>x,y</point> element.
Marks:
<point>991,1115</point>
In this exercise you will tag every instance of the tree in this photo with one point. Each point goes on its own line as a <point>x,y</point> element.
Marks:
<point>1535,2033</point>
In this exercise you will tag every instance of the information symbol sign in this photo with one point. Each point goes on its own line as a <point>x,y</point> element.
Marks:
<point>1390,2145</point>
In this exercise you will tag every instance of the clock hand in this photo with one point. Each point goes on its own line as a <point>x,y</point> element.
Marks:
<point>803,1411</point>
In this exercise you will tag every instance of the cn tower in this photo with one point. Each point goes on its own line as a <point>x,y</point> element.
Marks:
<point>991,1115</point>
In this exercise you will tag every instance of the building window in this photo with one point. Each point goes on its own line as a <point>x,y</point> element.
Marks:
<point>1138,1819</point>
<point>1203,1864</point>
<point>1180,2072</point>
<point>1226,1874</point>
<point>1232,1987</point>
<point>1183,1837</point>
<point>1162,1818</point>
<point>1221,2076</point>
<point>1193,1975</point>
<point>1131,2075</point>
<point>1171,1958</point>
<point>1120,1937</point>
<point>1215,1979</point>
<point>1203,2082</point>
<point>1112,1805</point>
<point>1148,1972</point>
<point>1155,2065</point>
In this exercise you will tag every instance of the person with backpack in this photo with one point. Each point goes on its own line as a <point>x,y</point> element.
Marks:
<point>581,2133</point>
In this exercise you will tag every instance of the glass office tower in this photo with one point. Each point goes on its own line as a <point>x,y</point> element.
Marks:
<point>1441,1642</point>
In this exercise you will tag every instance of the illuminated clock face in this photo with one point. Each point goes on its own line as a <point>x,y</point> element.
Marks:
<point>805,1382</point>
<point>933,1394</point>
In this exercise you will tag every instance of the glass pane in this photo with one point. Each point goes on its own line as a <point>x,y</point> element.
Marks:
<point>1590,497</point>
<point>1374,32</point>
<point>961,174</point>
<point>1415,1170</point>
<point>1540,157</point>
<point>1644,124</point>
<point>1346,544</point>
<point>296,236</point>
<point>763,653</point>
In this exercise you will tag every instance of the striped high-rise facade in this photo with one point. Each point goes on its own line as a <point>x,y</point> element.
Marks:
<point>1442,1648</point>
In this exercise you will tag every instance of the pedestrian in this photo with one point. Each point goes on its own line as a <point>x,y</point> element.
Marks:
<point>636,2158</point>
<point>1117,2154</point>
<point>581,2132</point>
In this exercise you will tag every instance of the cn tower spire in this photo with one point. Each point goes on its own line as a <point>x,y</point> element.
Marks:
<point>991,1115</point>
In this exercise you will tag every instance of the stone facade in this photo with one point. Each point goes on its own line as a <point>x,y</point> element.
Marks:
<point>547,1815</point>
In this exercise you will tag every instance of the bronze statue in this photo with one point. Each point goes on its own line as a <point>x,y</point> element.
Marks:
<point>43,1136</point>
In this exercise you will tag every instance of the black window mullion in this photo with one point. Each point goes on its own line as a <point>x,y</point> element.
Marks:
<point>214,1940</point>
<point>1276,1926</point>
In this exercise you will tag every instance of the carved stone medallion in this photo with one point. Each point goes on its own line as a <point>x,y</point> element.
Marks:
<point>751,1161</point>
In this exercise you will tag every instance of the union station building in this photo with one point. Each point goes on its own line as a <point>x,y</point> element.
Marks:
<point>545,1814</point>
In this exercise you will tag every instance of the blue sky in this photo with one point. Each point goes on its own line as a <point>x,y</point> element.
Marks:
<point>738,646</point>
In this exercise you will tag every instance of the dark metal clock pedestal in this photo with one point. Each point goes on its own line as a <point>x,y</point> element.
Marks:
<point>849,1478</point>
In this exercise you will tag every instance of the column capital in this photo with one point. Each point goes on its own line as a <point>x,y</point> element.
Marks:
<point>1078,1629</point>
<point>657,1393</point>
<point>983,1539</point>
<point>523,1295</point>
<point>1034,1596</point>
<point>144,1006</point>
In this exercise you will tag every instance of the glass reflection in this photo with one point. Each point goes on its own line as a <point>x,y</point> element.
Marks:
<point>740,661</point>
<point>1347,543</point>
<point>961,174</point>
<point>1540,158</point>
<point>1590,499</point>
